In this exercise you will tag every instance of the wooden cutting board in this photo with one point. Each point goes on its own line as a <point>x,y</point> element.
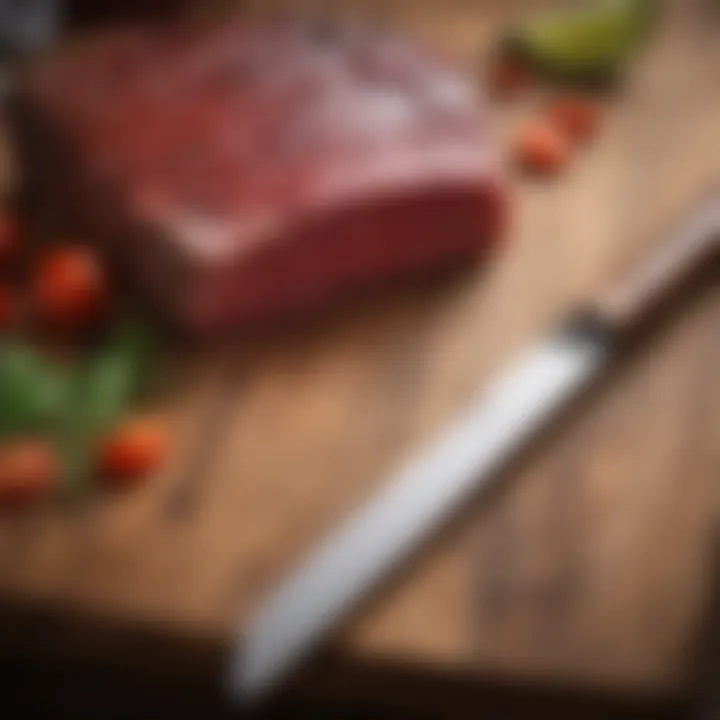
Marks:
<point>588,565</point>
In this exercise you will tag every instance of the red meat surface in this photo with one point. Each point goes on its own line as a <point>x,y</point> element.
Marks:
<point>242,172</point>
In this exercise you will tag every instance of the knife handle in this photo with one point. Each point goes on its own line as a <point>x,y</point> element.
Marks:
<point>632,300</point>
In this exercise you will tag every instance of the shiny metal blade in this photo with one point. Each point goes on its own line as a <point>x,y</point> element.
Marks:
<point>410,508</point>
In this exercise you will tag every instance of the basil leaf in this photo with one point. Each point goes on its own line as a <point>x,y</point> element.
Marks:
<point>33,392</point>
<point>104,389</point>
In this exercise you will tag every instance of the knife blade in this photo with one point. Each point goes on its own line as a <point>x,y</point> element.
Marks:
<point>431,487</point>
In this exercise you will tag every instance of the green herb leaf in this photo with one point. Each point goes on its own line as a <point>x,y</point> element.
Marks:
<point>104,389</point>
<point>33,392</point>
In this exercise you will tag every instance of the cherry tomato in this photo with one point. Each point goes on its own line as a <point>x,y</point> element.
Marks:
<point>510,77</point>
<point>136,448</point>
<point>542,148</point>
<point>71,286</point>
<point>577,116</point>
<point>29,471</point>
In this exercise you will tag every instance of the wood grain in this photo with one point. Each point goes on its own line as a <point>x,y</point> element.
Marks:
<point>588,565</point>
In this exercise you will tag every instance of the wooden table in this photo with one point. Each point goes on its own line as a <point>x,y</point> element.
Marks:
<point>588,565</point>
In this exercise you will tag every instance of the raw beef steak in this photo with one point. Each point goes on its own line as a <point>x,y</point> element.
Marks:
<point>242,172</point>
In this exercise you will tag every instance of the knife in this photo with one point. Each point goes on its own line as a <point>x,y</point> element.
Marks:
<point>431,487</point>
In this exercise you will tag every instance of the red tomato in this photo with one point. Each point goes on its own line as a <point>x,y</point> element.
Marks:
<point>510,77</point>
<point>136,448</point>
<point>542,148</point>
<point>577,116</point>
<point>71,286</point>
<point>7,307</point>
<point>9,237</point>
<point>29,471</point>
